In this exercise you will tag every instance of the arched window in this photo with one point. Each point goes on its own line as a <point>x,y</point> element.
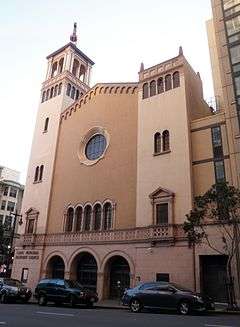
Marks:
<point>68,89</point>
<point>160,85</point>
<point>168,82</point>
<point>69,220</point>
<point>51,92</point>
<point>60,89</point>
<point>54,69</point>
<point>73,92</point>
<point>157,143</point>
<point>56,90</point>
<point>87,217</point>
<point>152,88</point>
<point>145,90</point>
<point>78,225</point>
<point>46,124</point>
<point>43,96</point>
<point>82,73</point>
<point>41,173</point>
<point>97,213</point>
<point>77,94</point>
<point>165,137</point>
<point>107,216</point>
<point>48,92</point>
<point>60,66</point>
<point>176,79</point>
<point>75,67</point>
<point>36,174</point>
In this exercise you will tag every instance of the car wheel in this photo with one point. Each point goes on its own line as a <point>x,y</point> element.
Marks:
<point>3,298</point>
<point>136,305</point>
<point>184,308</point>
<point>42,300</point>
<point>72,301</point>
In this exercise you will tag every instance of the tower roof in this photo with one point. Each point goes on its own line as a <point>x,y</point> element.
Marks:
<point>73,46</point>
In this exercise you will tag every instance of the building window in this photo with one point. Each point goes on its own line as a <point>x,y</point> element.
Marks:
<point>60,66</point>
<point>51,92</point>
<point>162,277</point>
<point>46,124</point>
<point>233,25</point>
<point>36,174</point>
<point>219,171</point>
<point>24,275</point>
<point>97,214</point>
<point>176,80</point>
<point>165,140</point>
<point>87,218</point>
<point>82,73</point>
<point>41,173</point>
<point>43,96</point>
<point>77,94</point>
<point>47,96</point>
<point>56,90</point>
<point>73,92</point>
<point>78,225</point>
<point>60,89</point>
<point>107,216</point>
<point>75,67</point>
<point>5,192</point>
<point>152,88</point>
<point>237,85</point>
<point>30,226</point>
<point>10,206</point>
<point>235,54</point>
<point>168,82</point>
<point>217,142</point>
<point>229,3</point>
<point>232,11</point>
<point>69,220</point>
<point>13,192</point>
<point>1,220</point>
<point>54,69</point>
<point>95,147</point>
<point>3,205</point>
<point>145,90</point>
<point>8,222</point>
<point>157,143</point>
<point>68,89</point>
<point>160,85</point>
<point>162,213</point>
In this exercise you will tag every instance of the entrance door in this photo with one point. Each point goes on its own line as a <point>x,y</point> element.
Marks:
<point>87,271</point>
<point>119,276</point>
<point>213,276</point>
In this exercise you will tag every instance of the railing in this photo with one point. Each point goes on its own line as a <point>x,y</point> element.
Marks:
<point>141,234</point>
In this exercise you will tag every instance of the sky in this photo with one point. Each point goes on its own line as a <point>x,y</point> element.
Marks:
<point>116,34</point>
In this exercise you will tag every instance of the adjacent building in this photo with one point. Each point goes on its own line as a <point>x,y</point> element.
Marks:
<point>114,169</point>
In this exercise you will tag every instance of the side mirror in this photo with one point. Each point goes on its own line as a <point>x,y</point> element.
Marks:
<point>172,290</point>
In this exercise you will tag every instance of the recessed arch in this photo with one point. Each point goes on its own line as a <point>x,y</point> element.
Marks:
<point>55,267</point>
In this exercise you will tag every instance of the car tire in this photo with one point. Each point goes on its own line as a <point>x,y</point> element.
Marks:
<point>184,308</point>
<point>72,301</point>
<point>42,300</point>
<point>136,306</point>
<point>3,298</point>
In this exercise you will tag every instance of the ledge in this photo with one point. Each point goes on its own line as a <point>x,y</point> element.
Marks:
<point>161,153</point>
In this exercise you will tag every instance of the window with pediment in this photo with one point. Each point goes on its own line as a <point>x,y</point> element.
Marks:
<point>162,206</point>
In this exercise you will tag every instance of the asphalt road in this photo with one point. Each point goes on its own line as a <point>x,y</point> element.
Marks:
<point>17,315</point>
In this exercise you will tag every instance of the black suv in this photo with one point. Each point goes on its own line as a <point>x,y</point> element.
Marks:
<point>13,289</point>
<point>64,291</point>
<point>165,295</point>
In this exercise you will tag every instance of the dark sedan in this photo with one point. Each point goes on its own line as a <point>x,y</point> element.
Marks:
<point>13,290</point>
<point>166,296</point>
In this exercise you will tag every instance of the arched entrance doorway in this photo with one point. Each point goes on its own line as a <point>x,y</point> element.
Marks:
<point>55,267</point>
<point>84,270</point>
<point>117,276</point>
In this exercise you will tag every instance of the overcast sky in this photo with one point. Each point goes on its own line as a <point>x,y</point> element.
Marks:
<point>116,34</point>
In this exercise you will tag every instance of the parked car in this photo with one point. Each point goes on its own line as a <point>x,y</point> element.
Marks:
<point>64,291</point>
<point>166,296</point>
<point>13,290</point>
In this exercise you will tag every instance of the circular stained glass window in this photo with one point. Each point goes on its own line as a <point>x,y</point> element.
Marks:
<point>95,147</point>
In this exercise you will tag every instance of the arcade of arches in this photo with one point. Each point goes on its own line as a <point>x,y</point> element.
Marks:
<point>110,283</point>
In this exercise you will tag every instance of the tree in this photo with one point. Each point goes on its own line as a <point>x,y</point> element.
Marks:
<point>3,242</point>
<point>214,220</point>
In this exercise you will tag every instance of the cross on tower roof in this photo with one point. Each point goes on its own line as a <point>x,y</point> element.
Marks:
<point>73,36</point>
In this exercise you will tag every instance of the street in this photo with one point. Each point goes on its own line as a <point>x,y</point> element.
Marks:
<point>31,315</point>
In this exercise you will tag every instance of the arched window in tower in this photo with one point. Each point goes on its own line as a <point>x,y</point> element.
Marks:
<point>78,215</point>
<point>145,90</point>
<point>47,96</point>
<point>68,89</point>
<point>43,96</point>
<point>46,125</point>
<point>51,92</point>
<point>157,143</point>
<point>176,79</point>
<point>36,174</point>
<point>160,85</point>
<point>97,214</point>
<point>56,90</point>
<point>87,217</point>
<point>77,94</point>
<point>69,220</point>
<point>41,173</point>
<point>166,141</point>
<point>168,82</point>
<point>107,216</point>
<point>60,89</point>
<point>54,69</point>
<point>60,65</point>
<point>75,68</point>
<point>73,92</point>
<point>152,88</point>
<point>82,73</point>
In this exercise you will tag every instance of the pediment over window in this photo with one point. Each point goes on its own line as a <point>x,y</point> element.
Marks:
<point>161,193</point>
<point>32,212</point>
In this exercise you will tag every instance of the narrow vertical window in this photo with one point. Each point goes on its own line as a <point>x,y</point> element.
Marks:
<point>51,92</point>
<point>162,213</point>
<point>152,88</point>
<point>56,90</point>
<point>60,66</point>
<point>168,82</point>
<point>157,143</point>
<point>46,124</point>
<point>160,85</point>
<point>36,174</point>
<point>68,89</point>
<point>73,92</point>
<point>78,219</point>
<point>60,89</point>
<point>47,96</point>
<point>30,226</point>
<point>82,73</point>
<point>145,90</point>
<point>217,142</point>
<point>176,80</point>
<point>219,171</point>
<point>77,94</point>
<point>75,67</point>
<point>43,96</point>
<point>54,69</point>
<point>69,220</point>
<point>166,142</point>
<point>41,173</point>
<point>107,216</point>
<point>97,216</point>
<point>87,218</point>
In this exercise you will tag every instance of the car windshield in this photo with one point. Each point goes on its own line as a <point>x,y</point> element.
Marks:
<point>180,288</point>
<point>12,282</point>
<point>73,284</point>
